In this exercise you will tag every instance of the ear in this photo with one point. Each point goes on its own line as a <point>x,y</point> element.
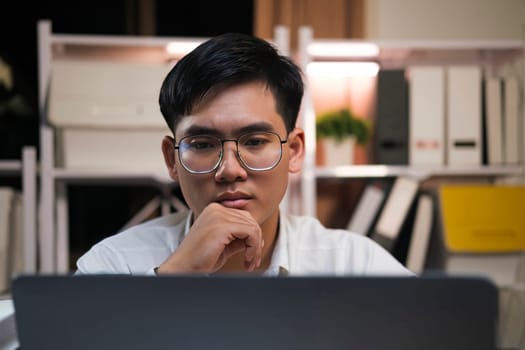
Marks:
<point>169,156</point>
<point>296,150</point>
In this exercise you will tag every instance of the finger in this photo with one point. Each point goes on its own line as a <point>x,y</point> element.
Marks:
<point>251,240</point>
<point>233,248</point>
<point>224,232</point>
<point>250,232</point>
<point>253,250</point>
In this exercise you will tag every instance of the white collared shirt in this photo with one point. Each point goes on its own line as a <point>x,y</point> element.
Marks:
<point>303,247</point>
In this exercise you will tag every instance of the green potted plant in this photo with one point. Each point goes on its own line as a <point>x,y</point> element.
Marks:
<point>337,132</point>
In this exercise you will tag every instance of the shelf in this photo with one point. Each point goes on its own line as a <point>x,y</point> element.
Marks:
<point>327,88</point>
<point>118,48</point>
<point>359,171</point>
<point>399,53</point>
<point>324,47</point>
<point>110,176</point>
<point>10,167</point>
<point>156,53</point>
<point>117,40</point>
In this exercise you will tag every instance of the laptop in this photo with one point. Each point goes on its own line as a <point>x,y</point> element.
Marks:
<point>245,312</point>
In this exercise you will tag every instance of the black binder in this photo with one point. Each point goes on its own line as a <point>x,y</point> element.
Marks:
<point>391,140</point>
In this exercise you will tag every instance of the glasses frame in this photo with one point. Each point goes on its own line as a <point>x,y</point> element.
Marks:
<point>237,153</point>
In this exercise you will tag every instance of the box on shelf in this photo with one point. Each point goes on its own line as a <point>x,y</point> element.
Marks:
<point>107,115</point>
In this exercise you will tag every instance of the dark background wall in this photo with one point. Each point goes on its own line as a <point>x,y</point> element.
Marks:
<point>18,46</point>
<point>95,211</point>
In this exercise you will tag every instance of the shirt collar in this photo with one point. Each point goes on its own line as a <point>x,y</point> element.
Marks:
<point>189,221</point>
<point>280,263</point>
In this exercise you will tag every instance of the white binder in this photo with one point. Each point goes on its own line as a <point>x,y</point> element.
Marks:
<point>426,115</point>
<point>512,111</point>
<point>395,211</point>
<point>494,120</point>
<point>366,210</point>
<point>463,115</point>
<point>421,232</point>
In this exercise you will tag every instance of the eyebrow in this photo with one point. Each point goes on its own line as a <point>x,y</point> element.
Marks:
<point>204,130</point>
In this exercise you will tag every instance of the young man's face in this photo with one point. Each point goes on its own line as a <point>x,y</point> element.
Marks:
<point>228,115</point>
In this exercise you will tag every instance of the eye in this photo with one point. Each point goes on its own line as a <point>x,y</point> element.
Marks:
<point>200,144</point>
<point>256,141</point>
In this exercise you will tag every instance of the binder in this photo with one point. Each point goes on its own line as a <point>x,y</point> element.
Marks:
<point>421,232</point>
<point>426,115</point>
<point>493,114</point>
<point>6,200</point>
<point>16,244</point>
<point>367,209</point>
<point>391,122</point>
<point>513,128</point>
<point>395,210</point>
<point>463,115</point>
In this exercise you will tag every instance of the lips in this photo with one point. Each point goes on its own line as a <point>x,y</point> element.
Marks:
<point>237,200</point>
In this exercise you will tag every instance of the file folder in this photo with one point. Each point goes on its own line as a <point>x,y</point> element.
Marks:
<point>483,218</point>
<point>478,230</point>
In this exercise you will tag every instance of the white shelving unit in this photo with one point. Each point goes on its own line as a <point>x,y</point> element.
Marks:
<point>422,173</point>
<point>26,168</point>
<point>54,235</point>
<point>54,250</point>
<point>398,54</point>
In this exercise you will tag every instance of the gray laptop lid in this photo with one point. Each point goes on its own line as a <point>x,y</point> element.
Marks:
<point>241,312</point>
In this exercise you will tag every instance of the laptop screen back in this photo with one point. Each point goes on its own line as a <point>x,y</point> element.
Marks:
<point>241,312</point>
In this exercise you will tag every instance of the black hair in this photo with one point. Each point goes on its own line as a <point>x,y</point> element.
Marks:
<point>227,60</point>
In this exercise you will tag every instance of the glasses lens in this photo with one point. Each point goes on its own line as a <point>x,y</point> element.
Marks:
<point>257,151</point>
<point>200,154</point>
<point>260,151</point>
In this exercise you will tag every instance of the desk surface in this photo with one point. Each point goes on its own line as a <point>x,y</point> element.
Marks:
<point>8,339</point>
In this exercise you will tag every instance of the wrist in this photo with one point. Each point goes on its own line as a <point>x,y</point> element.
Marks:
<point>173,265</point>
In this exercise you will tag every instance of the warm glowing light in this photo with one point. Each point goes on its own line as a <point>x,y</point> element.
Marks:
<point>335,49</point>
<point>180,48</point>
<point>343,69</point>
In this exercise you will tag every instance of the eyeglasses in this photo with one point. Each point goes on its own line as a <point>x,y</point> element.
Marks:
<point>256,151</point>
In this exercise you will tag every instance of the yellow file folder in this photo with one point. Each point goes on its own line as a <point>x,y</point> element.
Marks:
<point>483,218</point>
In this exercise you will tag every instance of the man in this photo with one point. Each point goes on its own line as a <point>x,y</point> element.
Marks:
<point>232,106</point>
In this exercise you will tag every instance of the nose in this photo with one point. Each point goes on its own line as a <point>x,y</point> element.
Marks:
<point>230,168</point>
